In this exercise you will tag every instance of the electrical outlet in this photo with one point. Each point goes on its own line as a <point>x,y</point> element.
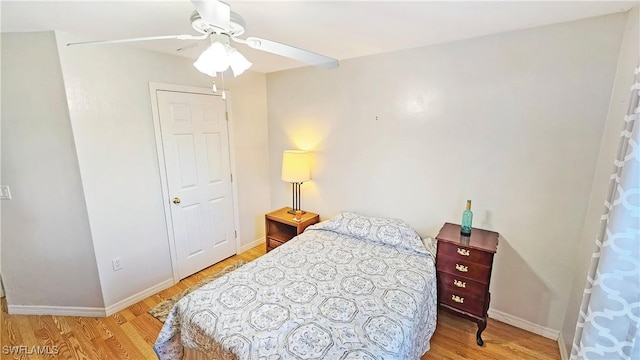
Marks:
<point>5,193</point>
<point>117,264</point>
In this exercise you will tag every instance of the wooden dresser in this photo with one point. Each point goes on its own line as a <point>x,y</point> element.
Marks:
<point>463,265</point>
<point>281,227</point>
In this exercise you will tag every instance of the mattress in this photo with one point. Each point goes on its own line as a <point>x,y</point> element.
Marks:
<point>353,287</point>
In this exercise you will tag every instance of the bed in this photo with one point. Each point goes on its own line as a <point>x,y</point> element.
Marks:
<point>352,287</point>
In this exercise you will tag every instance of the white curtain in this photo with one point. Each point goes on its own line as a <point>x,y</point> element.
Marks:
<point>609,322</point>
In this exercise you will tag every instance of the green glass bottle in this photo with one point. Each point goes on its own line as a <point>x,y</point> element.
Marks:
<point>467,218</point>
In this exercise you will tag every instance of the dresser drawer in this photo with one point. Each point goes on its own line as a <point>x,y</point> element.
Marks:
<point>458,284</point>
<point>460,267</point>
<point>460,301</point>
<point>459,251</point>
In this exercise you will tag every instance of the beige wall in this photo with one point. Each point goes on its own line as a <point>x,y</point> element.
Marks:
<point>512,121</point>
<point>251,145</point>
<point>48,256</point>
<point>620,96</point>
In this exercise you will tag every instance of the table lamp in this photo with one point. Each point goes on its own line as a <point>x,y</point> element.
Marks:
<point>296,170</point>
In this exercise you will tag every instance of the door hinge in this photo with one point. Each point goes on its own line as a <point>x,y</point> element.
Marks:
<point>231,175</point>
<point>235,232</point>
<point>226,115</point>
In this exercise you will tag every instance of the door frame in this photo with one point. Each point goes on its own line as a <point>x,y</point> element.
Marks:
<point>162,168</point>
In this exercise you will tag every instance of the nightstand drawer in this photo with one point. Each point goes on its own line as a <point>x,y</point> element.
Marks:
<point>458,267</point>
<point>470,304</point>
<point>273,243</point>
<point>464,253</point>
<point>458,284</point>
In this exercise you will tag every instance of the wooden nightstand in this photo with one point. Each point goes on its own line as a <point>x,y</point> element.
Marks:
<point>463,268</point>
<point>281,227</point>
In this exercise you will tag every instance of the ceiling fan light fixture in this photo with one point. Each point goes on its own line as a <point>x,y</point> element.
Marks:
<point>238,62</point>
<point>214,59</point>
<point>218,57</point>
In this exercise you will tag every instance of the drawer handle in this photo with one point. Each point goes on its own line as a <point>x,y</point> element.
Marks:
<point>460,284</point>
<point>458,299</point>
<point>463,252</point>
<point>462,268</point>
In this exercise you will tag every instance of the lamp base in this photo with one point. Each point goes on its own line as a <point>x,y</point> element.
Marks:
<point>293,212</point>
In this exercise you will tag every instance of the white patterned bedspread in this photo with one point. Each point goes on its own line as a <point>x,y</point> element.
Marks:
<point>353,287</point>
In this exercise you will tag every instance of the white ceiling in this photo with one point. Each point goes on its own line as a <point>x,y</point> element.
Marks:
<point>339,29</point>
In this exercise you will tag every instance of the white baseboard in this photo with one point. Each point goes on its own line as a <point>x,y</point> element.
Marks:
<point>563,348</point>
<point>56,310</point>
<point>251,245</point>
<point>88,311</point>
<point>123,304</point>
<point>524,324</point>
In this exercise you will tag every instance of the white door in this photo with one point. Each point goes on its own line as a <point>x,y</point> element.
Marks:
<point>195,143</point>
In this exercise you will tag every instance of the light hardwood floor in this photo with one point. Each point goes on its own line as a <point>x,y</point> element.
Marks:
<point>130,333</point>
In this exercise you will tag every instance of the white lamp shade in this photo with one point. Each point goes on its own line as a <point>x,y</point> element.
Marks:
<point>213,60</point>
<point>238,62</point>
<point>296,167</point>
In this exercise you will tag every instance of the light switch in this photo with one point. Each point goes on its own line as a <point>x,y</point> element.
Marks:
<point>5,193</point>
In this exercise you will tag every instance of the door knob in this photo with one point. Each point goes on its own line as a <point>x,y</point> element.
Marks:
<point>176,200</point>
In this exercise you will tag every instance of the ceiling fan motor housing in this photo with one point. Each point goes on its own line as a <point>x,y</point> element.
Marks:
<point>235,28</point>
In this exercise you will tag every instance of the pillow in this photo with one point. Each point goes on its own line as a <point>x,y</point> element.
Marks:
<point>393,232</point>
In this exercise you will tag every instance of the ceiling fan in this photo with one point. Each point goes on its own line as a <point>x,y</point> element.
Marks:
<point>214,19</point>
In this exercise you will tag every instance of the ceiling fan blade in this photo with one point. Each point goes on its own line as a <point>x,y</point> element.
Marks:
<point>292,52</point>
<point>214,12</point>
<point>165,37</point>
<point>190,46</point>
